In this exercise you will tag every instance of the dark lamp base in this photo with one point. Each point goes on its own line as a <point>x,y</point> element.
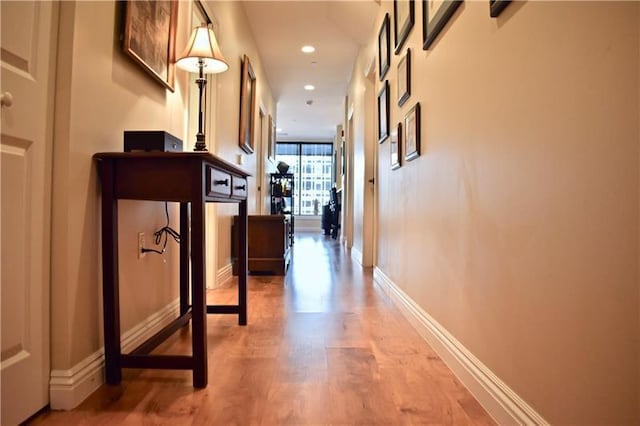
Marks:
<point>200,145</point>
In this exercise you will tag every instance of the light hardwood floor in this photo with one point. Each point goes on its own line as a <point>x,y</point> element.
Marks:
<point>323,346</point>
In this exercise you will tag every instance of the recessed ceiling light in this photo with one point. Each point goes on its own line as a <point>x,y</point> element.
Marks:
<point>308,49</point>
<point>309,87</point>
<point>278,129</point>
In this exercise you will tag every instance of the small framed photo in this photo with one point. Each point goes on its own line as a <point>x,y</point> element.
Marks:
<point>384,48</point>
<point>149,37</point>
<point>247,106</point>
<point>404,78</point>
<point>497,6</point>
<point>435,15</point>
<point>412,133</point>
<point>383,112</point>
<point>403,18</point>
<point>395,146</point>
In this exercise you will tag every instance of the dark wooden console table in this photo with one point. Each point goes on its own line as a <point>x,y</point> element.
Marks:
<point>192,179</point>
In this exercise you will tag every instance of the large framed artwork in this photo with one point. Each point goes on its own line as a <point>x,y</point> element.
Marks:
<point>247,106</point>
<point>435,15</point>
<point>403,18</point>
<point>412,133</point>
<point>384,48</point>
<point>149,36</point>
<point>497,6</point>
<point>395,146</point>
<point>404,78</point>
<point>383,112</point>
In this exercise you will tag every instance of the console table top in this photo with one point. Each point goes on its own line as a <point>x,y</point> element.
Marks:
<point>205,156</point>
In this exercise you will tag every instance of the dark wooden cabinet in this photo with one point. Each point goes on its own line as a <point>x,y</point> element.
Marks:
<point>269,243</point>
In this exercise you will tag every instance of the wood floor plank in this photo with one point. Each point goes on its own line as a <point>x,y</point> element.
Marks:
<point>324,346</point>
<point>299,403</point>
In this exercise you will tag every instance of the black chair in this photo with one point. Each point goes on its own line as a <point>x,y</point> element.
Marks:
<point>334,208</point>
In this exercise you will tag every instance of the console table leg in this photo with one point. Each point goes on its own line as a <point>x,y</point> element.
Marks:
<point>198,296</point>
<point>242,263</point>
<point>184,258</point>
<point>110,283</point>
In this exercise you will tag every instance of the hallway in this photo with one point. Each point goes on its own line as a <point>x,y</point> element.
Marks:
<point>326,347</point>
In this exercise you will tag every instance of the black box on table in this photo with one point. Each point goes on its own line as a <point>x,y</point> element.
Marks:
<point>151,140</point>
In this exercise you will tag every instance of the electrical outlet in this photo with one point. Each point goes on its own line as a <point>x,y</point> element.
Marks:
<point>141,254</point>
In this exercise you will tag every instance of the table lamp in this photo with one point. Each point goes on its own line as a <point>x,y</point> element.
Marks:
<point>202,55</point>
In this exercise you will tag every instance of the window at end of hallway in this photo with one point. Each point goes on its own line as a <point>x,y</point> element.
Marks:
<point>312,167</point>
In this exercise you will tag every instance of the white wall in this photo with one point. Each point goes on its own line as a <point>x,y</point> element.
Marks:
<point>100,92</point>
<point>517,227</point>
<point>236,40</point>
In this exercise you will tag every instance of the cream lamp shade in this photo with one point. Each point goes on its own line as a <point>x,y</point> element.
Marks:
<point>202,51</point>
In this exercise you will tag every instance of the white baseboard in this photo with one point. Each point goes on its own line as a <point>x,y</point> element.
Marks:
<point>68,388</point>
<point>500,401</point>
<point>224,274</point>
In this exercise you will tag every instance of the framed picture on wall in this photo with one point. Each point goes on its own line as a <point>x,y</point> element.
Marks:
<point>412,133</point>
<point>395,147</point>
<point>384,48</point>
<point>403,18</point>
<point>497,6</point>
<point>149,36</point>
<point>404,78</point>
<point>435,15</point>
<point>383,112</point>
<point>247,106</point>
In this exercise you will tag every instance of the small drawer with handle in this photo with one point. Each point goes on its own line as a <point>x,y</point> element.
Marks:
<point>218,182</point>
<point>239,187</point>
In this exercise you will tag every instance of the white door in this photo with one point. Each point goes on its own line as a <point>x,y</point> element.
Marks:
<point>28,46</point>
<point>369,177</point>
<point>349,187</point>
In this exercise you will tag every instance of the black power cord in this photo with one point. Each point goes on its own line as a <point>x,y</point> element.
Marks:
<point>164,231</point>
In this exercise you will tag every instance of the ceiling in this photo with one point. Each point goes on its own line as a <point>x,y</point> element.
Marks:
<point>337,30</point>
